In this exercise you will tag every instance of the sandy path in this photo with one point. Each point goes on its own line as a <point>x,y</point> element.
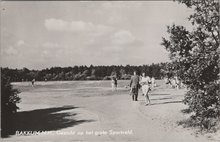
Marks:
<point>103,115</point>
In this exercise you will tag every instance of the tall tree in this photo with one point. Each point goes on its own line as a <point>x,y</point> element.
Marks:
<point>195,58</point>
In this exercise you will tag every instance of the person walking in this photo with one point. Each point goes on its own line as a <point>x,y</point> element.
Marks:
<point>134,85</point>
<point>145,83</point>
<point>114,83</point>
<point>32,82</point>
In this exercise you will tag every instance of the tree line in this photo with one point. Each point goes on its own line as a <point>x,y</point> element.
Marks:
<point>83,72</point>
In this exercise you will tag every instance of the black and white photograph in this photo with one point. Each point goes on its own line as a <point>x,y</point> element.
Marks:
<point>110,71</point>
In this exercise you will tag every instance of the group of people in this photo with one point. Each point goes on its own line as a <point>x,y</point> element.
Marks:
<point>137,82</point>
<point>144,82</point>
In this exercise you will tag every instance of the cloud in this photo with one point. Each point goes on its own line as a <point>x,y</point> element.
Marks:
<point>56,24</point>
<point>115,44</point>
<point>123,37</point>
<point>20,43</point>
<point>115,39</point>
<point>11,51</point>
<point>75,26</point>
<point>62,25</point>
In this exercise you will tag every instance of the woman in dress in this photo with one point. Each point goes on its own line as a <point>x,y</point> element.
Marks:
<point>145,83</point>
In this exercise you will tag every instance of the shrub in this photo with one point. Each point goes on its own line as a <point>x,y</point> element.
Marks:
<point>9,99</point>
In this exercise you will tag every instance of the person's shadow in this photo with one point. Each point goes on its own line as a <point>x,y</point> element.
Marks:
<point>49,119</point>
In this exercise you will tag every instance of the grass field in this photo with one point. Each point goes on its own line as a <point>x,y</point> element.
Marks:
<point>100,114</point>
<point>76,88</point>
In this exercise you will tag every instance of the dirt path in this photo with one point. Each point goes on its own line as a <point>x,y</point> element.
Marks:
<point>107,118</point>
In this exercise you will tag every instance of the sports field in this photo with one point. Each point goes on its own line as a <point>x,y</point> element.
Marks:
<point>91,111</point>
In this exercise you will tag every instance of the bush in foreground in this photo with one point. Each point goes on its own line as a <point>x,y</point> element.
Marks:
<point>9,99</point>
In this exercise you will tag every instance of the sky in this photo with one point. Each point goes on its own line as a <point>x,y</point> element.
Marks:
<point>44,34</point>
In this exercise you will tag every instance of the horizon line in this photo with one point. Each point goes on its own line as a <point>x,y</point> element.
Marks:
<point>83,66</point>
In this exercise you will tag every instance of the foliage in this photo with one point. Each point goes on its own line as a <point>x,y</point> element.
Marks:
<point>195,58</point>
<point>9,96</point>
<point>82,72</point>
<point>9,99</point>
